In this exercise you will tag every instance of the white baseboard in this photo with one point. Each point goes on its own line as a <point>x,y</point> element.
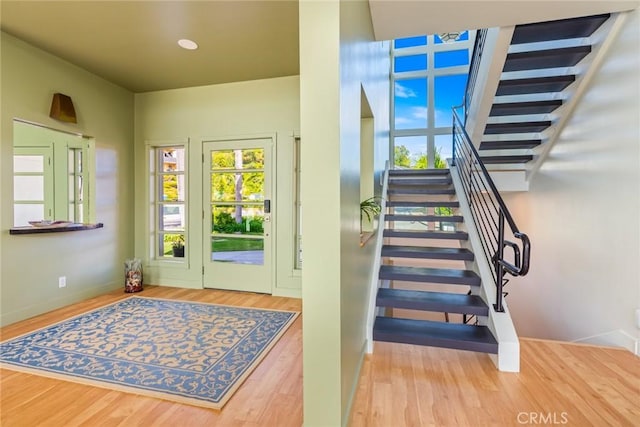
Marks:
<point>617,338</point>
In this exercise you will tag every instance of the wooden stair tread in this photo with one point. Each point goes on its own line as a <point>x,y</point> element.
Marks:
<point>437,334</point>
<point>427,252</point>
<point>424,218</point>
<point>430,275</point>
<point>426,234</point>
<point>432,301</point>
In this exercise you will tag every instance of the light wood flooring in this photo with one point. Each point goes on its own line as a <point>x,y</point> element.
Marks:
<point>271,396</point>
<point>400,385</point>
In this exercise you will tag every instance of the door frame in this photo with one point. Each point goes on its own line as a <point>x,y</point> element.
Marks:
<point>270,145</point>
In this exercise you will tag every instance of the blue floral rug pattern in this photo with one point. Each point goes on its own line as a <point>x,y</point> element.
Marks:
<point>183,351</point>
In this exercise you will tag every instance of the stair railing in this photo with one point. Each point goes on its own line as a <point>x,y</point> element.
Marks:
<point>489,212</point>
<point>474,65</point>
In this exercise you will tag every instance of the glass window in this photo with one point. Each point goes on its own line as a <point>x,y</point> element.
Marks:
<point>409,63</point>
<point>32,185</point>
<point>410,152</point>
<point>410,42</point>
<point>410,101</point>
<point>449,92</point>
<point>422,104</point>
<point>451,58</point>
<point>443,150</point>
<point>168,202</point>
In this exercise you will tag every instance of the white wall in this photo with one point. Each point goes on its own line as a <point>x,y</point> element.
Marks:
<point>337,58</point>
<point>582,214</point>
<point>91,260</point>
<point>262,107</point>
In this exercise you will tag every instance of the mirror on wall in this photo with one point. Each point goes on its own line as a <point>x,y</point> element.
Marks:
<point>52,175</point>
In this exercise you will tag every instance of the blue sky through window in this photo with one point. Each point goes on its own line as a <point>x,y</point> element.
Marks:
<point>449,92</point>
<point>409,63</point>
<point>438,81</point>
<point>410,42</point>
<point>411,103</point>
<point>451,58</point>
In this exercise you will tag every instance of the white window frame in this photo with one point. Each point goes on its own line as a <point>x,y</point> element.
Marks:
<point>430,74</point>
<point>47,173</point>
<point>153,191</point>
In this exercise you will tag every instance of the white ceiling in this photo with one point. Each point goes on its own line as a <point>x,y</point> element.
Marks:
<point>134,43</point>
<point>404,18</point>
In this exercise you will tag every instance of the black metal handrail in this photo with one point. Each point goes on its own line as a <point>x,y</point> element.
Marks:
<point>489,212</point>
<point>474,65</point>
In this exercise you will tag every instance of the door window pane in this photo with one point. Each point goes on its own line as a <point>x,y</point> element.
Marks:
<point>252,158</point>
<point>247,186</point>
<point>237,250</point>
<point>240,219</point>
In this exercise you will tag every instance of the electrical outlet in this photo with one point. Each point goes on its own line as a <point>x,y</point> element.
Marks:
<point>62,281</point>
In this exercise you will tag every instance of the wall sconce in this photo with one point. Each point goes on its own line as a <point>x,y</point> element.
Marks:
<point>62,108</point>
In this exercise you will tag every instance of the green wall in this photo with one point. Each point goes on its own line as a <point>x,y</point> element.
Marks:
<point>338,61</point>
<point>259,108</point>
<point>92,260</point>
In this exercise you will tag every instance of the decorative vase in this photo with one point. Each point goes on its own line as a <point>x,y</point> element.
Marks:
<point>132,275</point>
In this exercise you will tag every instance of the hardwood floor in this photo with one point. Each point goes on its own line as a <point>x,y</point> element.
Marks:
<point>400,385</point>
<point>271,396</point>
<point>558,384</point>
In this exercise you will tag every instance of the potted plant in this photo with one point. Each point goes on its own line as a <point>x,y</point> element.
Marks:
<point>177,246</point>
<point>370,208</point>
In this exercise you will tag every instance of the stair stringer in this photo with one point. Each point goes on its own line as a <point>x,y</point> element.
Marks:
<point>494,54</point>
<point>373,310</point>
<point>500,324</point>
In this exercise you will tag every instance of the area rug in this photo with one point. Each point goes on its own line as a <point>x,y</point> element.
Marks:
<point>182,351</point>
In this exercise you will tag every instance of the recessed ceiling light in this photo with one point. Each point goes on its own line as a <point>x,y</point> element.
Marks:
<point>188,44</point>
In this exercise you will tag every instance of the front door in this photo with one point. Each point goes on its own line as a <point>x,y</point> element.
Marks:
<point>237,215</point>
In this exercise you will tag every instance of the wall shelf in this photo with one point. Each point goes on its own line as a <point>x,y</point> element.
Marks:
<point>41,230</point>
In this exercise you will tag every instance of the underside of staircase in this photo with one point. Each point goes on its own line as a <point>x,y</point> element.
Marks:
<point>539,73</point>
<point>433,293</point>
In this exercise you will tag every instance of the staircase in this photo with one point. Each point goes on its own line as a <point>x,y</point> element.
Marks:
<point>429,267</point>
<point>537,78</point>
